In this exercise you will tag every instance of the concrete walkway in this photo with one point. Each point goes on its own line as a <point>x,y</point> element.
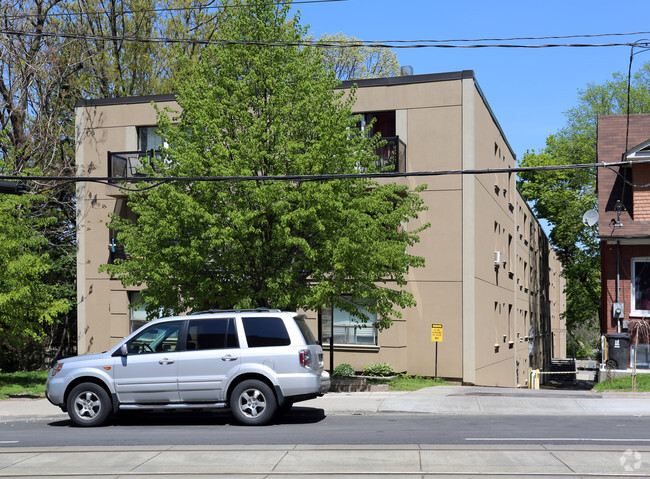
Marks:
<point>442,400</point>
<point>305,461</point>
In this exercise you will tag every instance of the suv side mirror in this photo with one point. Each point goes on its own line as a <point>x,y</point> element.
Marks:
<point>124,350</point>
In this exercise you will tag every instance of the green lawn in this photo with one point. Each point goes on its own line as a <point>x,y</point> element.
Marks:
<point>23,384</point>
<point>625,384</point>
<point>404,382</point>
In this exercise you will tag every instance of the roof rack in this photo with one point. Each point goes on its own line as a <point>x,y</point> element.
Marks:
<point>249,310</point>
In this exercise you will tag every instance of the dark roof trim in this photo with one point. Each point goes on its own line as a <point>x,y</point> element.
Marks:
<point>125,100</point>
<point>371,82</point>
<point>433,77</point>
<point>408,79</point>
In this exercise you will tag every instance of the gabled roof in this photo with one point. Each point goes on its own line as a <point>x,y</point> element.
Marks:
<point>641,151</point>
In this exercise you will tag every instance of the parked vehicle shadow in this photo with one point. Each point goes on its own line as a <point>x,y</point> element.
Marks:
<point>297,415</point>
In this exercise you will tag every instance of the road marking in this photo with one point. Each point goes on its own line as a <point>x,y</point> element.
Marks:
<point>588,439</point>
<point>9,442</point>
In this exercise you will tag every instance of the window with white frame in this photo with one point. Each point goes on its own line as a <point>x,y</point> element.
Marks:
<point>137,316</point>
<point>347,328</point>
<point>640,301</point>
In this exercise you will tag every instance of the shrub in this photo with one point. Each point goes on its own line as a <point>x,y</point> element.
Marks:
<point>344,370</point>
<point>378,369</point>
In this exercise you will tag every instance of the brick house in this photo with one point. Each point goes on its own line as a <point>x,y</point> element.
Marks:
<point>624,230</point>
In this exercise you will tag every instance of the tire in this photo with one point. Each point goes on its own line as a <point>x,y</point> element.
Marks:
<point>253,403</point>
<point>88,405</point>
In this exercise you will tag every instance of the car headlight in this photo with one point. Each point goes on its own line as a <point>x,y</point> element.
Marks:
<point>57,367</point>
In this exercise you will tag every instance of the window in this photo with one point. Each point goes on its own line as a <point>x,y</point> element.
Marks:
<point>156,339</point>
<point>640,287</point>
<point>641,354</point>
<point>306,332</point>
<point>265,331</point>
<point>347,328</point>
<point>217,333</point>
<point>137,315</point>
<point>148,139</point>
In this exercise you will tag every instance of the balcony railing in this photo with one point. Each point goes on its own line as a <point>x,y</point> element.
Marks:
<point>128,164</point>
<point>392,156</point>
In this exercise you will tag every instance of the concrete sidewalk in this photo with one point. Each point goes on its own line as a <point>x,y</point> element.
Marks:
<point>440,400</point>
<point>326,461</point>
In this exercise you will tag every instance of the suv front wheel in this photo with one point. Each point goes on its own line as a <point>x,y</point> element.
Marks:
<point>253,403</point>
<point>88,405</point>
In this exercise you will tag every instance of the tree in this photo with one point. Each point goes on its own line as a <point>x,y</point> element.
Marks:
<point>28,304</point>
<point>53,53</point>
<point>561,197</point>
<point>256,110</point>
<point>357,62</point>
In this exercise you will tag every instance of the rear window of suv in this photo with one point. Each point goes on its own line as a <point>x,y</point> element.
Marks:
<point>306,332</point>
<point>264,331</point>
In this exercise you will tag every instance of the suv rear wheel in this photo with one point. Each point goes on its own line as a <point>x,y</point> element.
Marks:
<point>88,405</point>
<point>253,403</point>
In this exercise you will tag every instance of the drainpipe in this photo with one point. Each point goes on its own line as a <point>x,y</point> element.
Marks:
<point>618,279</point>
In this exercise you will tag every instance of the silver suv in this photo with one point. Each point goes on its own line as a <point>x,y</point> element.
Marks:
<point>256,362</point>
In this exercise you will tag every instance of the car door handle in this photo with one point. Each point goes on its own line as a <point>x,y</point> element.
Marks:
<point>228,357</point>
<point>166,361</point>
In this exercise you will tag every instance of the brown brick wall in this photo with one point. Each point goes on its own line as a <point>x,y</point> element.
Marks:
<point>627,252</point>
<point>611,186</point>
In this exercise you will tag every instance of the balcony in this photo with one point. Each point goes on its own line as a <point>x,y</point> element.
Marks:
<point>128,164</point>
<point>116,252</point>
<point>392,156</point>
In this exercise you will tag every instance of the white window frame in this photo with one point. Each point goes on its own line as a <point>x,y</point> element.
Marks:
<point>633,288</point>
<point>353,329</point>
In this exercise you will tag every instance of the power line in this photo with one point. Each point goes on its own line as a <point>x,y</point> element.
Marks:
<point>310,43</point>
<point>159,180</point>
<point>205,6</point>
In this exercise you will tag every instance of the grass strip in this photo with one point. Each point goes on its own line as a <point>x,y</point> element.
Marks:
<point>24,384</point>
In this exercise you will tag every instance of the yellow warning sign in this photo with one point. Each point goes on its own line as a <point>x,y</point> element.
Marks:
<point>436,332</point>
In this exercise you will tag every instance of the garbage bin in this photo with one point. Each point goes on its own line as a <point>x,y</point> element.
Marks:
<point>618,350</point>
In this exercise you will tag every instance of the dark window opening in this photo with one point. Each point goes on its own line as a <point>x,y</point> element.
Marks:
<point>218,333</point>
<point>265,331</point>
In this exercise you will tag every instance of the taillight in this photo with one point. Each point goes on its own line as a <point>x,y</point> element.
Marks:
<point>305,358</point>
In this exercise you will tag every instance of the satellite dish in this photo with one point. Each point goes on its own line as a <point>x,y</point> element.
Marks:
<point>590,218</point>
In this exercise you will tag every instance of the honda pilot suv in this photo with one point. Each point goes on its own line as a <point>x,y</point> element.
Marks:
<point>256,362</point>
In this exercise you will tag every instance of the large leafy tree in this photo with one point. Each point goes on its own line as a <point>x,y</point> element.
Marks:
<point>352,60</point>
<point>254,110</point>
<point>561,197</point>
<point>29,305</point>
<point>54,52</point>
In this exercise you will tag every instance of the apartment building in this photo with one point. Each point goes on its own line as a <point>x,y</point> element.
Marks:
<point>491,279</point>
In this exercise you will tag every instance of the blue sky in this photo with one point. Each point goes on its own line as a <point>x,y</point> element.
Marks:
<point>528,89</point>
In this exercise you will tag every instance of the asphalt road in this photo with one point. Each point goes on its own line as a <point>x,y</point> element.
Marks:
<point>309,426</point>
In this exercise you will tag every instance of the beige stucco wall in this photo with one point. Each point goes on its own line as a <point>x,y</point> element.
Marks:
<point>485,311</point>
<point>102,302</point>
